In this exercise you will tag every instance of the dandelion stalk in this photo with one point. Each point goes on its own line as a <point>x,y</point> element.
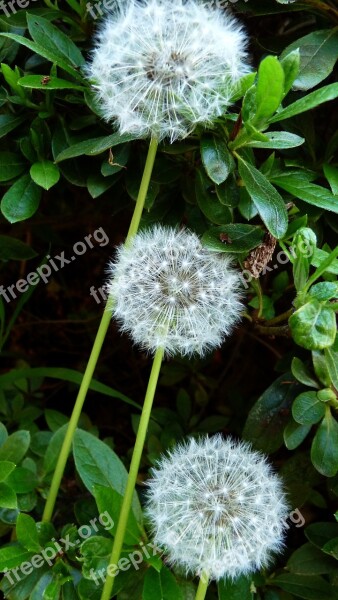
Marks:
<point>133,471</point>
<point>98,343</point>
<point>202,587</point>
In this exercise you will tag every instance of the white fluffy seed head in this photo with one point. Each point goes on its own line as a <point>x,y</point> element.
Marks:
<point>170,292</point>
<point>161,67</point>
<point>215,505</point>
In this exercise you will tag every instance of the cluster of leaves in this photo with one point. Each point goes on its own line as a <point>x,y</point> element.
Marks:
<point>268,167</point>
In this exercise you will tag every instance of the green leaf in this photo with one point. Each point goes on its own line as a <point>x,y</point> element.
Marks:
<point>290,64</point>
<point>110,501</point>
<point>15,446</point>
<point>22,480</point>
<point>324,449</point>
<point>45,174</point>
<point>295,434</point>
<point>325,290</point>
<point>27,533</point>
<point>269,203</point>
<point>97,464</point>
<point>309,192</point>
<point>161,585</point>
<point>12,165</point>
<point>304,245</point>
<point>13,249</point>
<point>58,44</point>
<point>13,556</point>
<point>94,146</point>
<point>331,174</point>
<point>270,414</point>
<point>281,140</point>
<point>7,497</point>
<point>300,372</point>
<point>238,237</point>
<point>331,548</point>
<point>53,449</point>
<point>9,122</point>
<point>318,54</point>
<point>21,201</point>
<point>216,158</point>
<point>307,409</point>
<point>6,467</point>
<point>309,560</point>
<point>313,325</point>
<point>329,92</point>
<point>43,50</point>
<point>240,589</point>
<point>208,201</point>
<point>269,89</point>
<point>305,586</point>
<point>321,532</point>
<point>65,375</point>
<point>320,367</point>
<point>331,360</point>
<point>39,82</point>
<point>319,257</point>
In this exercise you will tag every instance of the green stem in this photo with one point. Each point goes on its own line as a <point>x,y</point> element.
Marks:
<point>202,587</point>
<point>321,269</point>
<point>94,355</point>
<point>133,472</point>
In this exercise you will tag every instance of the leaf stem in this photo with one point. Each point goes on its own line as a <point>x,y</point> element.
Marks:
<point>202,587</point>
<point>94,355</point>
<point>133,471</point>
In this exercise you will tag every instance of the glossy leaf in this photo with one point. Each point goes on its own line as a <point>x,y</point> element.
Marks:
<point>309,192</point>
<point>45,174</point>
<point>301,373</point>
<point>12,165</point>
<point>15,446</point>
<point>216,158</point>
<point>41,82</point>
<point>324,450</point>
<point>237,238</point>
<point>161,585</point>
<point>295,434</point>
<point>313,325</point>
<point>270,414</point>
<point>27,533</point>
<point>270,88</point>
<point>305,586</point>
<point>97,464</point>
<point>21,201</point>
<point>307,409</point>
<point>318,54</point>
<point>281,140</point>
<point>57,43</point>
<point>13,249</point>
<point>269,203</point>
<point>325,94</point>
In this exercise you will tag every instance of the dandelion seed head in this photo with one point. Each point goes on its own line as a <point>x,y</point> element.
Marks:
<point>225,534</point>
<point>161,67</point>
<point>161,303</point>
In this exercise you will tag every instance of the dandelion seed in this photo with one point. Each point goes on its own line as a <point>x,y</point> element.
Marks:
<point>185,310</point>
<point>161,67</point>
<point>225,535</point>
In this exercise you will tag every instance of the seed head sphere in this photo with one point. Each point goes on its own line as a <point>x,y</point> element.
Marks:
<point>160,67</point>
<point>215,505</point>
<point>170,292</point>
